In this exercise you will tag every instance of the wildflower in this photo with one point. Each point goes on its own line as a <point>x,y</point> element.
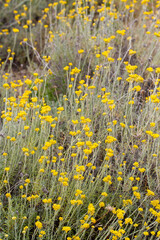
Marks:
<point>91,209</point>
<point>121,32</point>
<point>140,209</point>
<point>7,169</point>
<point>5,154</point>
<point>66,229</point>
<point>107,179</point>
<point>119,179</point>
<point>122,125</point>
<point>136,164</point>
<point>26,127</point>
<point>60,109</point>
<point>100,228</point>
<point>56,206</point>
<point>128,220</point>
<point>85,225</point>
<point>152,124</point>
<point>120,213</point>
<point>142,170</point>
<point>104,194</point>
<point>137,88</point>
<point>35,88</point>
<point>8,195</point>
<point>38,224</point>
<point>158,234</point>
<point>13,139</point>
<point>131,178</point>
<point>78,192</point>
<point>42,232</point>
<point>80,51</point>
<point>150,193</point>
<point>110,139</point>
<point>137,195</point>
<point>150,69</point>
<point>27,180</point>
<point>135,146</point>
<point>131,52</point>
<point>101,204</point>
<point>15,30</point>
<point>28,81</point>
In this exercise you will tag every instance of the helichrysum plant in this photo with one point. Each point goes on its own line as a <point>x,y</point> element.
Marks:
<point>80,122</point>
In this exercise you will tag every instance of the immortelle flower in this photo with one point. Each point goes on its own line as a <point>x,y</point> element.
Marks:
<point>101,204</point>
<point>38,224</point>
<point>66,229</point>
<point>85,225</point>
<point>91,209</point>
<point>56,206</point>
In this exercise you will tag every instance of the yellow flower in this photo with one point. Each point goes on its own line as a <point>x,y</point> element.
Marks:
<point>150,69</point>
<point>35,88</point>
<point>27,180</point>
<point>131,52</point>
<point>142,170</point>
<point>85,225</point>
<point>137,88</point>
<point>56,206</point>
<point>13,139</point>
<point>101,204</point>
<point>158,234</point>
<point>42,232</point>
<point>128,220</point>
<point>121,32</point>
<point>38,224</point>
<point>120,213</point>
<point>5,154</point>
<point>91,209</point>
<point>104,194</point>
<point>131,178</point>
<point>136,164</point>
<point>7,169</point>
<point>60,109</point>
<point>137,195</point>
<point>140,209</point>
<point>100,228</point>
<point>26,127</point>
<point>15,30</point>
<point>98,55</point>
<point>150,193</point>
<point>66,68</point>
<point>135,146</point>
<point>107,179</point>
<point>119,179</point>
<point>145,233</point>
<point>80,51</point>
<point>66,229</point>
<point>6,85</point>
<point>28,81</point>
<point>8,195</point>
<point>122,125</point>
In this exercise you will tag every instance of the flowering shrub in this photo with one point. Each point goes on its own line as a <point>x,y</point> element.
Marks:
<point>80,130</point>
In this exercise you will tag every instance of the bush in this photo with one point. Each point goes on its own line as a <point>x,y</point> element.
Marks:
<point>80,124</point>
